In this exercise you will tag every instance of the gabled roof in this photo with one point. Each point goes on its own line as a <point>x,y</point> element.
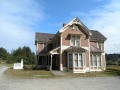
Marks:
<point>78,22</point>
<point>43,37</point>
<point>96,35</point>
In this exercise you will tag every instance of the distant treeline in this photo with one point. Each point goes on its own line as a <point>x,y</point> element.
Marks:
<point>113,59</point>
<point>24,53</point>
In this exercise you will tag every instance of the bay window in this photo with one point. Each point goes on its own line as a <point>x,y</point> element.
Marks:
<point>99,60</point>
<point>95,60</point>
<point>76,59</point>
<point>80,60</point>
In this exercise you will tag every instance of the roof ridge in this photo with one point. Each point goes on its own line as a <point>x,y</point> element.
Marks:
<point>45,33</point>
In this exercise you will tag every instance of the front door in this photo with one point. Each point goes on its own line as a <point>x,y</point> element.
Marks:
<point>55,62</point>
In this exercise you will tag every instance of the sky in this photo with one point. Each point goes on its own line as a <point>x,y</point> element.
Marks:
<point>20,19</point>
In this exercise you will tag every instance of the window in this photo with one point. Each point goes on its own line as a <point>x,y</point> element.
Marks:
<point>91,60</point>
<point>44,46</point>
<point>94,60</point>
<point>75,40</point>
<point>99,45</point>
<point>99,60</point>
<point>76,60</point>
<point>75,27</point>
<point>70,60</point>
<point>80,60</point>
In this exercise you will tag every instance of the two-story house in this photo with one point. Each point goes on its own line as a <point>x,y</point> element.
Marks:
<point>73,48</point>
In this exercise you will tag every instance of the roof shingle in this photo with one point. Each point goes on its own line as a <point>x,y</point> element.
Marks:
<point>43,36</point>
<point>75,48</point>
<point>94,49</point>
<point>97,35</point>
<point>47,36</point>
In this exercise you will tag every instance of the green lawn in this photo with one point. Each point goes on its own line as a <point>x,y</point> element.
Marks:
<point>28,73</point>
<point>110,71</point>
<point>8,65</point>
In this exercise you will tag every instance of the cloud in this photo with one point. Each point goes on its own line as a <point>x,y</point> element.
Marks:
<point>106,20</point>
<point>17,21</point>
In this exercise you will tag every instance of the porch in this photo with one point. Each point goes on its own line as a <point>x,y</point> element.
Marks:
<point>51,60</point>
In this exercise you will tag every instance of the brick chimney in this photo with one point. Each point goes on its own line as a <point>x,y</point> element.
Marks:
<point>64,24</point>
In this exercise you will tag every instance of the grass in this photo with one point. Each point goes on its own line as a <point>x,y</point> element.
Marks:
<point>28,73</point>
<point>8,65</point>
<point>110,71</point>
<point>113,70</point>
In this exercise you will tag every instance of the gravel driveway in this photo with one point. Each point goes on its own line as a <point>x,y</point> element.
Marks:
<point>96,83</point>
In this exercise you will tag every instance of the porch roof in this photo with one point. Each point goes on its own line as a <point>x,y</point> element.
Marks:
<point>75,49</point>
<point>95,49</point>
<point>54,51</point>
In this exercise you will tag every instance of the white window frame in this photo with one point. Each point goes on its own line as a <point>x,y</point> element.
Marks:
<point>76,60</point>
<point>82,57</point>
<point>75,40</point>
<point>93,65</point>
<point>82,62</point>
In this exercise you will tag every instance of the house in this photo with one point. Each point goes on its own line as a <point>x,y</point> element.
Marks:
<point>74,48</point>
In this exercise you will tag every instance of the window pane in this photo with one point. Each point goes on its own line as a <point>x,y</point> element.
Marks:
<point>70,60</point>
<point>99,60</point>
<point>91,60</point>
<point>95,60</point>
<point>99,45</point>
<point>76,60</point>
<point>77,41</point>
<point>80,60</point>
<point>73,40</point>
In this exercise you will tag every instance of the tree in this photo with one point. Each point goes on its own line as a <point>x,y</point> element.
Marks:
<point>24,53</point>
<point>3,53</point>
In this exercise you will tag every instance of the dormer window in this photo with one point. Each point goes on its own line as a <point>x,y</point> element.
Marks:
<point>75,27</point>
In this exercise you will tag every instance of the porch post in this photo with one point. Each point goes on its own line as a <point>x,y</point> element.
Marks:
<point>61,65</point>
<point>51,63</point>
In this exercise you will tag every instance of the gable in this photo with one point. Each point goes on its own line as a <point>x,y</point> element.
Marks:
<point>77,22</point>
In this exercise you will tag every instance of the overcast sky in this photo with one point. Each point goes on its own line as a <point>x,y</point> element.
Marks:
<point>20,19</point>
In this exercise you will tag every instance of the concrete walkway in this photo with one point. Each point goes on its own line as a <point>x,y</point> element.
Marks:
<point>58,73</point>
